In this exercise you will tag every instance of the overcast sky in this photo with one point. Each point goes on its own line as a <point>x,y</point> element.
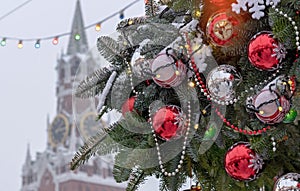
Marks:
<point>28,75</point>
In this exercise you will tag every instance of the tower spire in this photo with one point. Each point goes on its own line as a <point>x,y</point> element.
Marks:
<point>78,40</point>
<point>28,155</point>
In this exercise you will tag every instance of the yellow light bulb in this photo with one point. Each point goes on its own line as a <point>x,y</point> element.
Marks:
<point>157,76</point>
<point>192,84</point>
<point>20,44</point>
<point>204,111</point>
<point>177,73</point>
<point>261,112</point>
<point>196,126</point>
<point>290,82</point>
<point>130,22</point>
<point>280,108</point>
<point>198,13</point>
<point>98,27</point>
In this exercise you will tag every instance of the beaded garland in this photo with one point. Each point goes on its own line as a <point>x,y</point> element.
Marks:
<point>291,21</point>
<point>160,162</point>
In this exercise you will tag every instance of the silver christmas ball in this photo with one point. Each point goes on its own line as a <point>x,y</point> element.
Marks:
<point>272,109</point>
<point>140,66</point>
<point>290,181</point>
<point>222,81</point>
<point>168,71</point>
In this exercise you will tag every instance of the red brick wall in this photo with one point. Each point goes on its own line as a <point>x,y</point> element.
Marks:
<point>47,183</point>
<point>67,103</point>
<point>74,185</point>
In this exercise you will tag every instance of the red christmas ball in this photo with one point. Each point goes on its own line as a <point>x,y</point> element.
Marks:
<point>169,122</point>
<point>128,105</point>
<point>265,52</point>
<point>242,163</point>
<point>221,29</point>
<point>168,72</point>
<point>222,3</point>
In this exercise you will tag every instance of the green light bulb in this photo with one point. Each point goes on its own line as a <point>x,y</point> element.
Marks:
<point>77,37</point>
<point>3,42</point>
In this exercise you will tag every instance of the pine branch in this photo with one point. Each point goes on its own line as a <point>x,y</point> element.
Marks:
<point>180,5</point>
<point>282,29</point>
<point>151,8</point>
<point>137,178</point>
<point>89,148</point>
<point>106,90</point>
<point>90,86</point>
<point>129,22</point>
<point>110,50</point>
<point>121,174</point>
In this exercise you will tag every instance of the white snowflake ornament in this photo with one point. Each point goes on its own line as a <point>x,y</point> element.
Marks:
<point>279,51</point>
<point>256,7</point>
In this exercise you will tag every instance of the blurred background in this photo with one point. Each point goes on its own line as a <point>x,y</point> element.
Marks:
<point>28,74</point>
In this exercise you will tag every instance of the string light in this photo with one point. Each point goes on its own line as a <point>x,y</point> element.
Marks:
<point>37,44</point>
<point>98,27</point>
<point>122,16</point>
<point>20,44</point>
<point>192,84</point>
<point>3,42</point>
<point>77,37</point>
<point>55,38</point>
<point>130,22</point>
<point>55,41</point>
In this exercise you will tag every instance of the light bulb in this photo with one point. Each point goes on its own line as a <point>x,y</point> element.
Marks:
<point>55,41</point>
<point>98,27</point>
<point>122,15</point>
<point>37,44</point>
<point>192,84</point>
<point>130,22</point>
<point>77,36</point>
<point>20,44</point>
<point>3,42</point>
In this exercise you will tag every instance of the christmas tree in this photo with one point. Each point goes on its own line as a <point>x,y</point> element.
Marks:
<point>208,90</point>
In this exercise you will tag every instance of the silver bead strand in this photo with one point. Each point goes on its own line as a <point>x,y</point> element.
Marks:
<point>291,21</point>
<point>160,162</point>
<point>273,144</point>
<point>131,80</point>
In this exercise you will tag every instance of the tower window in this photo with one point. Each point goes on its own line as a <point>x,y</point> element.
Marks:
<point>61,74</point>
<point>75,66</point>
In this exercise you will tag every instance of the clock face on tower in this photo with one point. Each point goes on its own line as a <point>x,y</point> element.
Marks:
<point>58,130</point>
<point>89,126</point>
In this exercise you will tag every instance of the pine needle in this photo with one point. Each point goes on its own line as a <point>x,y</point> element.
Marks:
<point>109,49</point>
<point>89,148</point>
<point>90,86</point>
